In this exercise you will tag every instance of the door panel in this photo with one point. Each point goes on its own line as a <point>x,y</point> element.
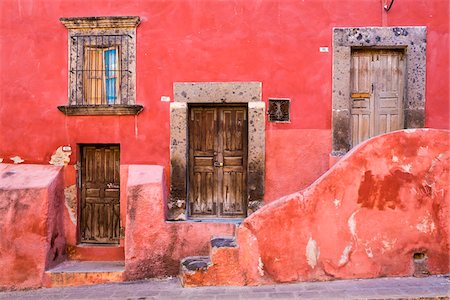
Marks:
<point>100,194</point>
<point>376,92</point>
<point>217,161</point>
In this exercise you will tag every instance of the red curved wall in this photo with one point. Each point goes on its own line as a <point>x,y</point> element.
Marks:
<point>382,210</point>
<point>275,42</point>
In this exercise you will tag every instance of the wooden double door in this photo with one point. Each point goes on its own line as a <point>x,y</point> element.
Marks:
<point>377,84</point>
<point>100,194</point>
<point>217,162</point>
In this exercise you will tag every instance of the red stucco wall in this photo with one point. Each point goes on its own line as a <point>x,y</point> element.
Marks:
<point>31,223</point>
<point>275,42</point>
<point>373,214</point>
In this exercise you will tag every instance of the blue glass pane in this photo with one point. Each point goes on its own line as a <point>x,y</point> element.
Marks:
<point>111,90</point>
<point>111,74</point>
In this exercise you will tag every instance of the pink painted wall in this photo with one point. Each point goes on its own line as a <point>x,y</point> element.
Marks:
<point>31,223</point>
<point>153,247</point>
<point>275,42</point>
<point>385,201</point>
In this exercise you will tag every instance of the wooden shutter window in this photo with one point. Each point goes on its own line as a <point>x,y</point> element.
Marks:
<point>101,76</point>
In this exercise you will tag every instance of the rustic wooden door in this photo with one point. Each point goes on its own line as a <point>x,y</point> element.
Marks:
<point>377,84</point>
<point>217,161</point>
<point>100,190</point>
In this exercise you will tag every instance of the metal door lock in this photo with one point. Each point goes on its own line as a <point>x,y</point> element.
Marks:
<point>218,164</point>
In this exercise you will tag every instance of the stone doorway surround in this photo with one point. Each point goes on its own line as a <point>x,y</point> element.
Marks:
<point>186,93</point>
<point>412,39</point>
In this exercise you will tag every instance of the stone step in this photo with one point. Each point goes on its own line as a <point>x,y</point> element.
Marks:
<point>195,263</point>
<point>220,267</point>
<point>223,242</point>
<point>75,273</point>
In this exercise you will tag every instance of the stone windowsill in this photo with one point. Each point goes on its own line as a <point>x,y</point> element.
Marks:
<point>101,110</point>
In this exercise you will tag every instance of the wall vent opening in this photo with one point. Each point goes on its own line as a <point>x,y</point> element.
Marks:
<point>420,264</point>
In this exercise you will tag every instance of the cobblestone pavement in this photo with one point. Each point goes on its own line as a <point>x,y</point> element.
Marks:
<point>382,288</point>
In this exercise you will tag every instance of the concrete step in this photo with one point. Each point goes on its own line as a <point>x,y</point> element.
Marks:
<point>75,273</point>
<point>220,267</point>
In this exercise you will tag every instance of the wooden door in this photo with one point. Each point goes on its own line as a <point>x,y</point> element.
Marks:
<point>100,190</point>
<point>217,161</point>
<point>377,84</point>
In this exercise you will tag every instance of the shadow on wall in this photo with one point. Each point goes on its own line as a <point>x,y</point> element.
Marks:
<point>382,210</point>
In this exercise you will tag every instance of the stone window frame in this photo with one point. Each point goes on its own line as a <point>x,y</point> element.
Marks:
<point>412,39</point>
<point>98,27</point>
<point>186,93</point>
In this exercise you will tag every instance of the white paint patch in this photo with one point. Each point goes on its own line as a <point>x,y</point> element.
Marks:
<point>426,225</point>
<point>344,256</point>
<point>352,223</point>
<point>369,252</point>
<point>388,244</point>
<point>1,160</point>
<point>60,157</point>
<point>260,267</point>
<point>16,159</point>
<point>411,130</point>
<point>406,168</point>
<point>337,203</point>
<point>312,253</point>
<point>394,158</point>
<point>423,151</point>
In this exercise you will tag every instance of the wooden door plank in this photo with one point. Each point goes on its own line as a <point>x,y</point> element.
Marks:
<point>100,208</point>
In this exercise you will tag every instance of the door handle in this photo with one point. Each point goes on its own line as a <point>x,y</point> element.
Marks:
<point>218,164</point>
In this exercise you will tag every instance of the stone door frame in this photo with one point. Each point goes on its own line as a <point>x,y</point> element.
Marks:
<point>412,39</point>
<point>186,93</point>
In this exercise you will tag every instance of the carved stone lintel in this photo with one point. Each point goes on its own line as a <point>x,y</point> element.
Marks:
<point>101,22</point>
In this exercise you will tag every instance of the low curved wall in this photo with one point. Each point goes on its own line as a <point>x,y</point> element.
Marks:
<point>382,210</point>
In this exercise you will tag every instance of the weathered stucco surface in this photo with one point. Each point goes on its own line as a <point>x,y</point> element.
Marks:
<point>382,210</point>
<point>153,247</point>
<point>31,224</point>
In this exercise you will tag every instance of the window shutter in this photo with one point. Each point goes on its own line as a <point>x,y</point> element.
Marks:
<point>93,76</point>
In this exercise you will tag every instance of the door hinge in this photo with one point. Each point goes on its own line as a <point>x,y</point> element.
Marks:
<point>122,232</point>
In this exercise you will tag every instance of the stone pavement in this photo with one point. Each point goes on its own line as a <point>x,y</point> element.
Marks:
<point>382,288</point>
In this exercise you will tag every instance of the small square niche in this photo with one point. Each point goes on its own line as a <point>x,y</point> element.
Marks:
<point>279,110</point>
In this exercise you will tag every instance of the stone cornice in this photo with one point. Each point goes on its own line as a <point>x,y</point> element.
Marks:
<point>101,22</point>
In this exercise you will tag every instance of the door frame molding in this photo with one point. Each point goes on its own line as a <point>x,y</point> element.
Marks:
<point>186,93</point>
<point>410,38</point>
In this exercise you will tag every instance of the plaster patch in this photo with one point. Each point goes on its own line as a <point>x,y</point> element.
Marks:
<point>406,168</point>
<point>369,252</point>
<point>17,159</point>
<point>60,157</point>
<point>345,254</point>
<point>70,196</point>
<point>426,225</point>
<point>337,203</point>
<point>352,223</point>
<point>394,158</point>
<point>260,267</point>
<point>312,253</point>
<point>423,151</point>
<point>388,244</point>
